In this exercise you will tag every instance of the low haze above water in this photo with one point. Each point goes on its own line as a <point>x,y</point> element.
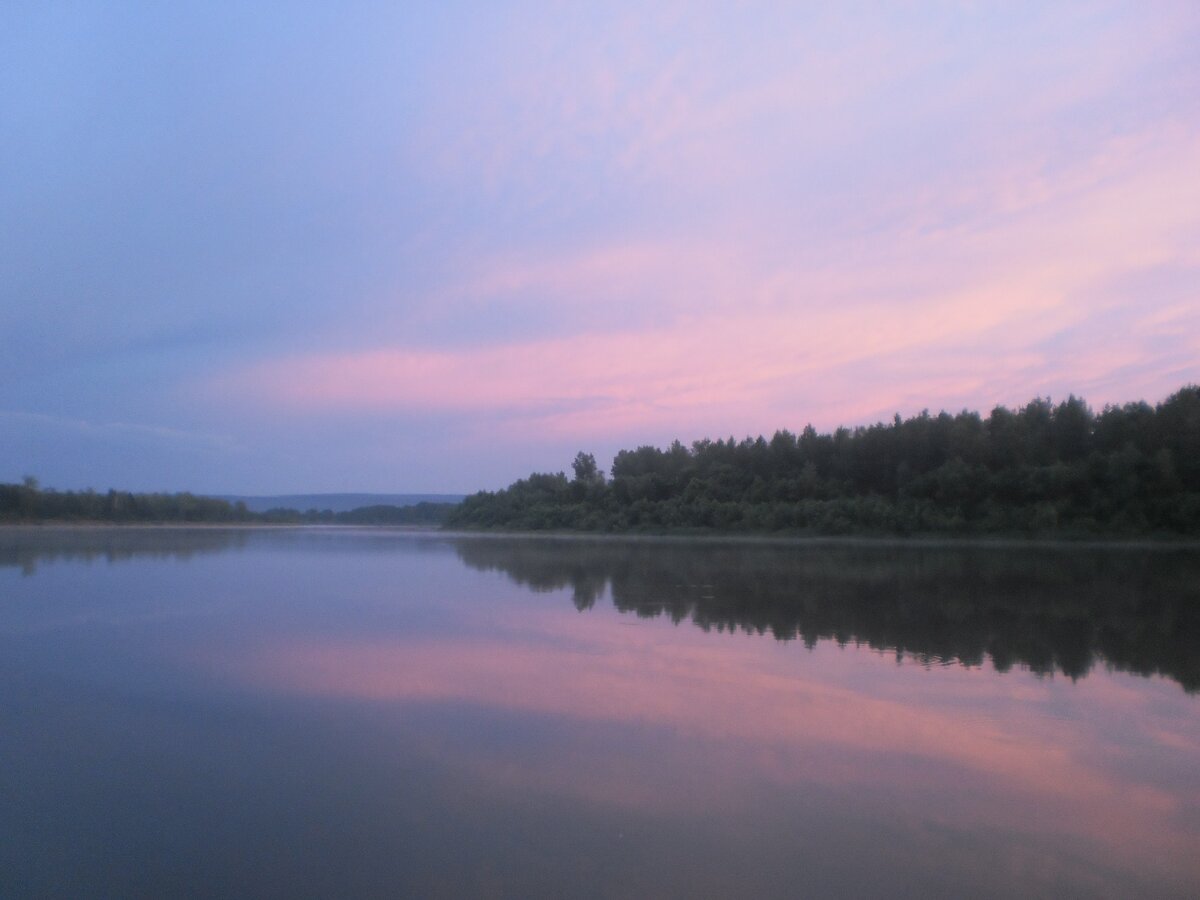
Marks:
<point>337,712</point>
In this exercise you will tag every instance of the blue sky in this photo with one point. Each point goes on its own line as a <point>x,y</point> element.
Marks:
<point>266,248</point>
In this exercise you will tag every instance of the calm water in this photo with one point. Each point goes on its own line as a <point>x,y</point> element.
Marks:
<point>355,713</point>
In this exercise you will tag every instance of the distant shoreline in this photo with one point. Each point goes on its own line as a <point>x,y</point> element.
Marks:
<point>197,526</point>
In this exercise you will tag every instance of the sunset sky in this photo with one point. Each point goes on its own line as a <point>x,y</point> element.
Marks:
<point>321,247</point>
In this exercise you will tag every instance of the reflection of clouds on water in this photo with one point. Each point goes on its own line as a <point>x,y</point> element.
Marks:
<point>966,746</point>
<point>1048,608</point>
<point>369,685</point>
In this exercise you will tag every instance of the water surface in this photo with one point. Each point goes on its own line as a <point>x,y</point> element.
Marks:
<point>370,713</point>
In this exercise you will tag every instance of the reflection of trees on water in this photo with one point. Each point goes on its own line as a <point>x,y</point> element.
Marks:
<point>26,547</point>
<point>1050,608</point>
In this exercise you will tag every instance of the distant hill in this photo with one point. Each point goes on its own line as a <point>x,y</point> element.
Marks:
<point>336,502</point>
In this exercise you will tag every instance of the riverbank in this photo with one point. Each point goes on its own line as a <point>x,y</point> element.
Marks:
<point>681,537</point>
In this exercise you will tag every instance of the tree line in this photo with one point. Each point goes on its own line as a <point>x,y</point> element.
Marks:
<point>28,502</point>
<point>1042,469</point>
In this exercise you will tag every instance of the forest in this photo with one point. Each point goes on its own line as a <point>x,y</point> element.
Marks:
<point>1044,469</point>
<point>28,502</point>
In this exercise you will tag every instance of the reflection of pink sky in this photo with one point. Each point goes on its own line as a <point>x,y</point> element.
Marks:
<point>964,747</point>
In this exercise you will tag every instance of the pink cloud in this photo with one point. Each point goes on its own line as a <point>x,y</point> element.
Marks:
<point>952,291</point>
<point>614,380</point>
<point>755,368</point>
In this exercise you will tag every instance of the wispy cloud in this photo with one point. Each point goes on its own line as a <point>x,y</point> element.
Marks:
<point>120,431</point>
<point>731,334</point>
<point>550,222</point>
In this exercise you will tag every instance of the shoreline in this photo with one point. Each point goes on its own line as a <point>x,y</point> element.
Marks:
<point>921,540</point>
<point>94,525</point>
<point>1000,541</point>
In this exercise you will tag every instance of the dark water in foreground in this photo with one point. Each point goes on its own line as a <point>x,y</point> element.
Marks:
<point>355,713</point>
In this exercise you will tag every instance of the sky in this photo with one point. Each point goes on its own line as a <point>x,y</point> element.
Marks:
<point>266,248</point>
